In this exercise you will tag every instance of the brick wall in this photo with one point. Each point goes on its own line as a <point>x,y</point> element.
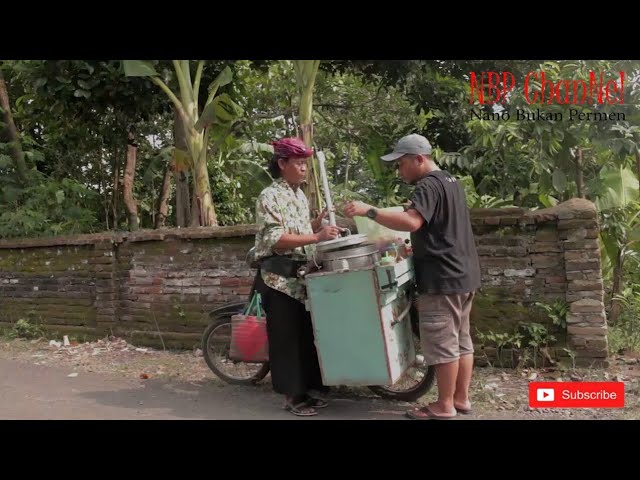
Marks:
<point>141,285</point>
<point>542,256</point>
<point>165,282</point>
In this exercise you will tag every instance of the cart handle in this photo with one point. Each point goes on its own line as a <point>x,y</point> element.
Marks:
<point>402,316</point>
<point>391,283</point>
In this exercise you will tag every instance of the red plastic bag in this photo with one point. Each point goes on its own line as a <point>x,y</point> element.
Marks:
<point>249,342</point>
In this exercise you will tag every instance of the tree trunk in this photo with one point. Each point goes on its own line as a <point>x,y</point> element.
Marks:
<point>346,167</point>
<point>129,175</point>
<point>116,188</point>
<point>205,210</point>
<point>165,192</point>
<point>10,132</point>
<point>616,289</point>
<point>195,208</point>
<point>103,188</point>
<point>579,174</point>
<point>183,199</point>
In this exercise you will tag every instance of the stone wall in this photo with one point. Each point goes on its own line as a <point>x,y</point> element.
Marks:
<point>542,256</point>
<point>159,286</point>
<point>153,287</point>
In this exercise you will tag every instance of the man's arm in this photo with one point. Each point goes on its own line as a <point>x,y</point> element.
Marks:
<point>289,241</point>
<point>408,221</point>
<point>270,222</point>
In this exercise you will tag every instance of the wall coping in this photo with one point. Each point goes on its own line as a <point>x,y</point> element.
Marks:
<point>138,236</point>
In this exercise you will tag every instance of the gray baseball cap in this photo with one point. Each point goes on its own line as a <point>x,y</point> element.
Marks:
<point>413,144</point>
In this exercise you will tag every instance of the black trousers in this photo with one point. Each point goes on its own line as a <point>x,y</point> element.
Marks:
<point>292,353</point>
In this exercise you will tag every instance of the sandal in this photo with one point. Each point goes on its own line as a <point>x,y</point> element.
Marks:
<point>464,411</point>
<point>425,413</point>
<point>314,402</point>
<point>301,409</point>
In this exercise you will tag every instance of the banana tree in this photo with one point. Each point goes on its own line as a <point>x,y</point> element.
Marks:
<point>218,109</point>
<point>306,72</point>
<point>620,231</point>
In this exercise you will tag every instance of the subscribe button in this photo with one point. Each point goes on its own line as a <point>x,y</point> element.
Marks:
<point>576,394</point>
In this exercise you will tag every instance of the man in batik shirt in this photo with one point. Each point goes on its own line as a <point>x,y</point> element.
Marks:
<point>284,242</point>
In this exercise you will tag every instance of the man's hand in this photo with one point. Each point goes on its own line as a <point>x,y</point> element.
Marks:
<point>316,223</point>
<point>356,209</point>
<point>328,232</point>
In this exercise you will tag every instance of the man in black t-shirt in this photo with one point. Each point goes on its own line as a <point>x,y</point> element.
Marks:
<point>446,266</point>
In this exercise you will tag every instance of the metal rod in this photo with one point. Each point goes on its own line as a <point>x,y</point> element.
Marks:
<point>325,187</point>
<point>402,316</point>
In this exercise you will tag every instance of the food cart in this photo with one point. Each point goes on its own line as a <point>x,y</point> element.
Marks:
<point>364,323</point>
<point>360,314</point>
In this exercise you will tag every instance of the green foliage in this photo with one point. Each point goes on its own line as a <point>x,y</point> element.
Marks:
<point>527,342</point>
<point>238,176</point>
<point>354,123</point>
<point>619,234</point>
<point>74,116</point>
<point>501,341</point>
<point>475,200</point>
<point>48,207</point>
<point>556,312</point>
<point>624,335</point>
<point>616,187</point>
<point>25,329</point>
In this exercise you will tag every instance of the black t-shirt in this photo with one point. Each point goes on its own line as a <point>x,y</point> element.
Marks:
<point>444,250</point>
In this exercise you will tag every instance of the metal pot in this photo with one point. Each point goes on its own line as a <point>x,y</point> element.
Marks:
<point>350,258</point>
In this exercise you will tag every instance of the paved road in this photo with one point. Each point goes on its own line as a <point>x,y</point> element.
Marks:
<point>30,391</point>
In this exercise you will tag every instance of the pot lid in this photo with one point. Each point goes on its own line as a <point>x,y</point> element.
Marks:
<point>342,242</point>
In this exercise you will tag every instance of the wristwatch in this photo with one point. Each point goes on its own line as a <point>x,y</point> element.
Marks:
<point>372,213</point>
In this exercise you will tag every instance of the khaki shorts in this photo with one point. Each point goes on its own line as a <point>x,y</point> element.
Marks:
<point>444,327</point>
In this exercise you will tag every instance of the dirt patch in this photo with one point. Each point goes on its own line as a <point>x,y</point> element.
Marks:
<point>496,393</point>
<point>111,356</point>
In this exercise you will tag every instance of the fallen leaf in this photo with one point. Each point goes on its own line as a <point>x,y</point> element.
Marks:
<point>144,376</point>
<point>72,375</point>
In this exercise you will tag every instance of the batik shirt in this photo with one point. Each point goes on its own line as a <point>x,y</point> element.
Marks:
<point>281,209</point>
